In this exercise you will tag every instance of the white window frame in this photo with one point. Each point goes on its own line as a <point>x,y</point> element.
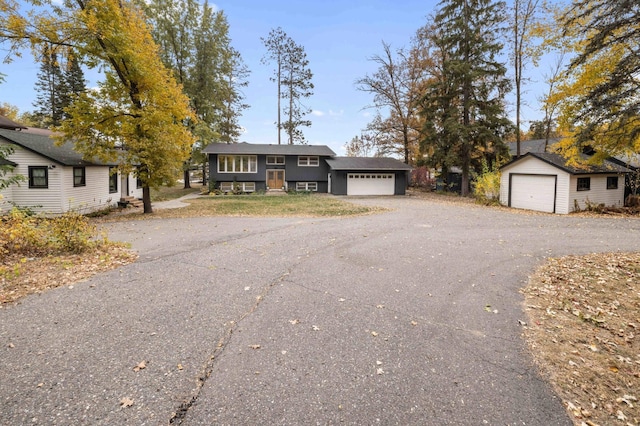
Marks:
<point>308,161</point>
<point>307,186</point>
<point>242,186</point>
<point>246,163</point>
<point>275,160</point>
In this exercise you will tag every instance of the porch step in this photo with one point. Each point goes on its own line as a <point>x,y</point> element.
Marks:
<point>131,201</point>
<point>275,192</point>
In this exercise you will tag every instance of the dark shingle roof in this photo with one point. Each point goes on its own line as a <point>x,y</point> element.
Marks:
<point>43,145</point>
<point>560,162</point>
<point>267,149</point>
<point>5,123</point>
<point>535,145</point>
<point>366,163</point>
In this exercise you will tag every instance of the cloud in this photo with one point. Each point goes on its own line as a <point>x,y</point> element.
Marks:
<point>366,114</point>
<point>317,113</point>
<point>336,113</point>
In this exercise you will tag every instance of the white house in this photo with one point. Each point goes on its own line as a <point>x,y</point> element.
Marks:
<point>57,178</point>
<point>544,182</point>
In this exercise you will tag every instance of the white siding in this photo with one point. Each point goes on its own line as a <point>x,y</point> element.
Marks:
<point>39,199</point>
<point>6,195</point>
<point>534,166</point>
<point>598,193</point>
<point>60,195</point>
<point>93,196</point>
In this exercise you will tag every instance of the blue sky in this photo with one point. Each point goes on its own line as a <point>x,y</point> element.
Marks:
<point>338,36</point>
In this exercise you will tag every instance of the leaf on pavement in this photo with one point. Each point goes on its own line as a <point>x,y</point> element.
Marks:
<point>126,402</point>
<point>141,366</point>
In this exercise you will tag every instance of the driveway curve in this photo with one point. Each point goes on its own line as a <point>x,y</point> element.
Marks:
<point>377,319</point>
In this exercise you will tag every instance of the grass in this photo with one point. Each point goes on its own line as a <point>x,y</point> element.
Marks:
<point>583,331</point>
<point>167,193</point>
<point>310,205</point>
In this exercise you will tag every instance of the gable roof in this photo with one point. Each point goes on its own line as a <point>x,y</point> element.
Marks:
<point>5,123</point>
<point>41,144</point>
<point>5,162</point>
<point>268,149</point>
<point>366,163</point>
<point>557,160</point>
<point>534,145</point>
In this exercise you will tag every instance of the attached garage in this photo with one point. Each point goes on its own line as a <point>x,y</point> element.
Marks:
<point>544,182</point>
<point>371,184</point>
<point>367,176</point>
<point>533,192</point>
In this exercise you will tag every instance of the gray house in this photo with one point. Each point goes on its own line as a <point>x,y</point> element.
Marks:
<point>261,167</point>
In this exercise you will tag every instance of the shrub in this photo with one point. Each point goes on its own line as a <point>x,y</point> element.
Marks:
<point>487,187</point>
<point>28,235</point>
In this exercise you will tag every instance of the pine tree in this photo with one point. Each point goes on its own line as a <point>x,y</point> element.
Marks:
<point>293,79</point>
<point>75,83</point>
<point>52,89</point>
<point>464,106</point>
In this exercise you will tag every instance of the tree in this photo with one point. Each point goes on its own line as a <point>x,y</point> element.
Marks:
<point>51,87</point>
<point>138,113</point>
<point>395,88</point>
<point>465,104</point>
<point>75,83</point>
<point>524,12</point>
<point>293,80</point>
<point>602,105</point>
<point>361,146</point>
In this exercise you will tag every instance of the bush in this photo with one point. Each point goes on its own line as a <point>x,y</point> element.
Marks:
<point>487,189</point>
<point>28,235</point>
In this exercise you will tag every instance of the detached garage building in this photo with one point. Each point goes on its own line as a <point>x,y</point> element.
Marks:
<point>543,182</point>
<point>367,176</point>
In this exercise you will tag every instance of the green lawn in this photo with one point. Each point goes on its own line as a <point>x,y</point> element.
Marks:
<point>166,193</point>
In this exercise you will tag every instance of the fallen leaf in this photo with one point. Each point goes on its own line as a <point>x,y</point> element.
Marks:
<point>126,402</point>
<point>141,366</point>
<point>379,371</point>
<point>315,328</point>
<point>294,321</point>
<point>380,306</point>
<point>254,346</point>
<point>374,334</point>
<point>179,366</point>
<point>414,323</point>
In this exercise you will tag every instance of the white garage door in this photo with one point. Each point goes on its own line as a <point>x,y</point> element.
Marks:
<point>533,192</point>
<point>371,184</point>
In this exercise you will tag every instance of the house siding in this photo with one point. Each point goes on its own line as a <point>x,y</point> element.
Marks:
<point>94,195</point>
<point>292,173</point>
<point>61,195</point>
<point>598,192</point>
<point>534,166</point>
<point>38,199</point>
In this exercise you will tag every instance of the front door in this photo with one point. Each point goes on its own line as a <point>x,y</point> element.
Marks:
<point>275,179</point>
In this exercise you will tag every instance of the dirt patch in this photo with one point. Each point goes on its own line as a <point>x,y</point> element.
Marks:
<point>22,276</point>
<point>583,326</point>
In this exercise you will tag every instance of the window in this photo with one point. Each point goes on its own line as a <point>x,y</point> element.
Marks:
<point>79,176</point>
<point>306,186</point>
<point>113,180</point>
<point>239,186</point>
<point>306,161</point>
<point>38,177</point>
<point>237,164</point>
<point>275,160</point>
<point>612,182</point>
<point>584,184</point>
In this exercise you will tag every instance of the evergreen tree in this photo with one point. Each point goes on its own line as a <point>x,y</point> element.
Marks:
<point>52,89</point>
<point>75,84</point>
<point>464,106</point>
<point>293,79</point>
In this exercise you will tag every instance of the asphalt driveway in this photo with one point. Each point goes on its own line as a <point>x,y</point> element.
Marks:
<point>377,319</point>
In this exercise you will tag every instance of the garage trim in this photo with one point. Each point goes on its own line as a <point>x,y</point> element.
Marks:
<point>555,185</point>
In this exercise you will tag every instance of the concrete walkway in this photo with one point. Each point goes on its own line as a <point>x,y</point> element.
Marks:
<point>365,320</point>
<point>175,203</point>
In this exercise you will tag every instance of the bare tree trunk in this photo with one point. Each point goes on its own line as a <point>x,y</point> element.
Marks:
<point>187,179</point>
<point>146,198</point>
